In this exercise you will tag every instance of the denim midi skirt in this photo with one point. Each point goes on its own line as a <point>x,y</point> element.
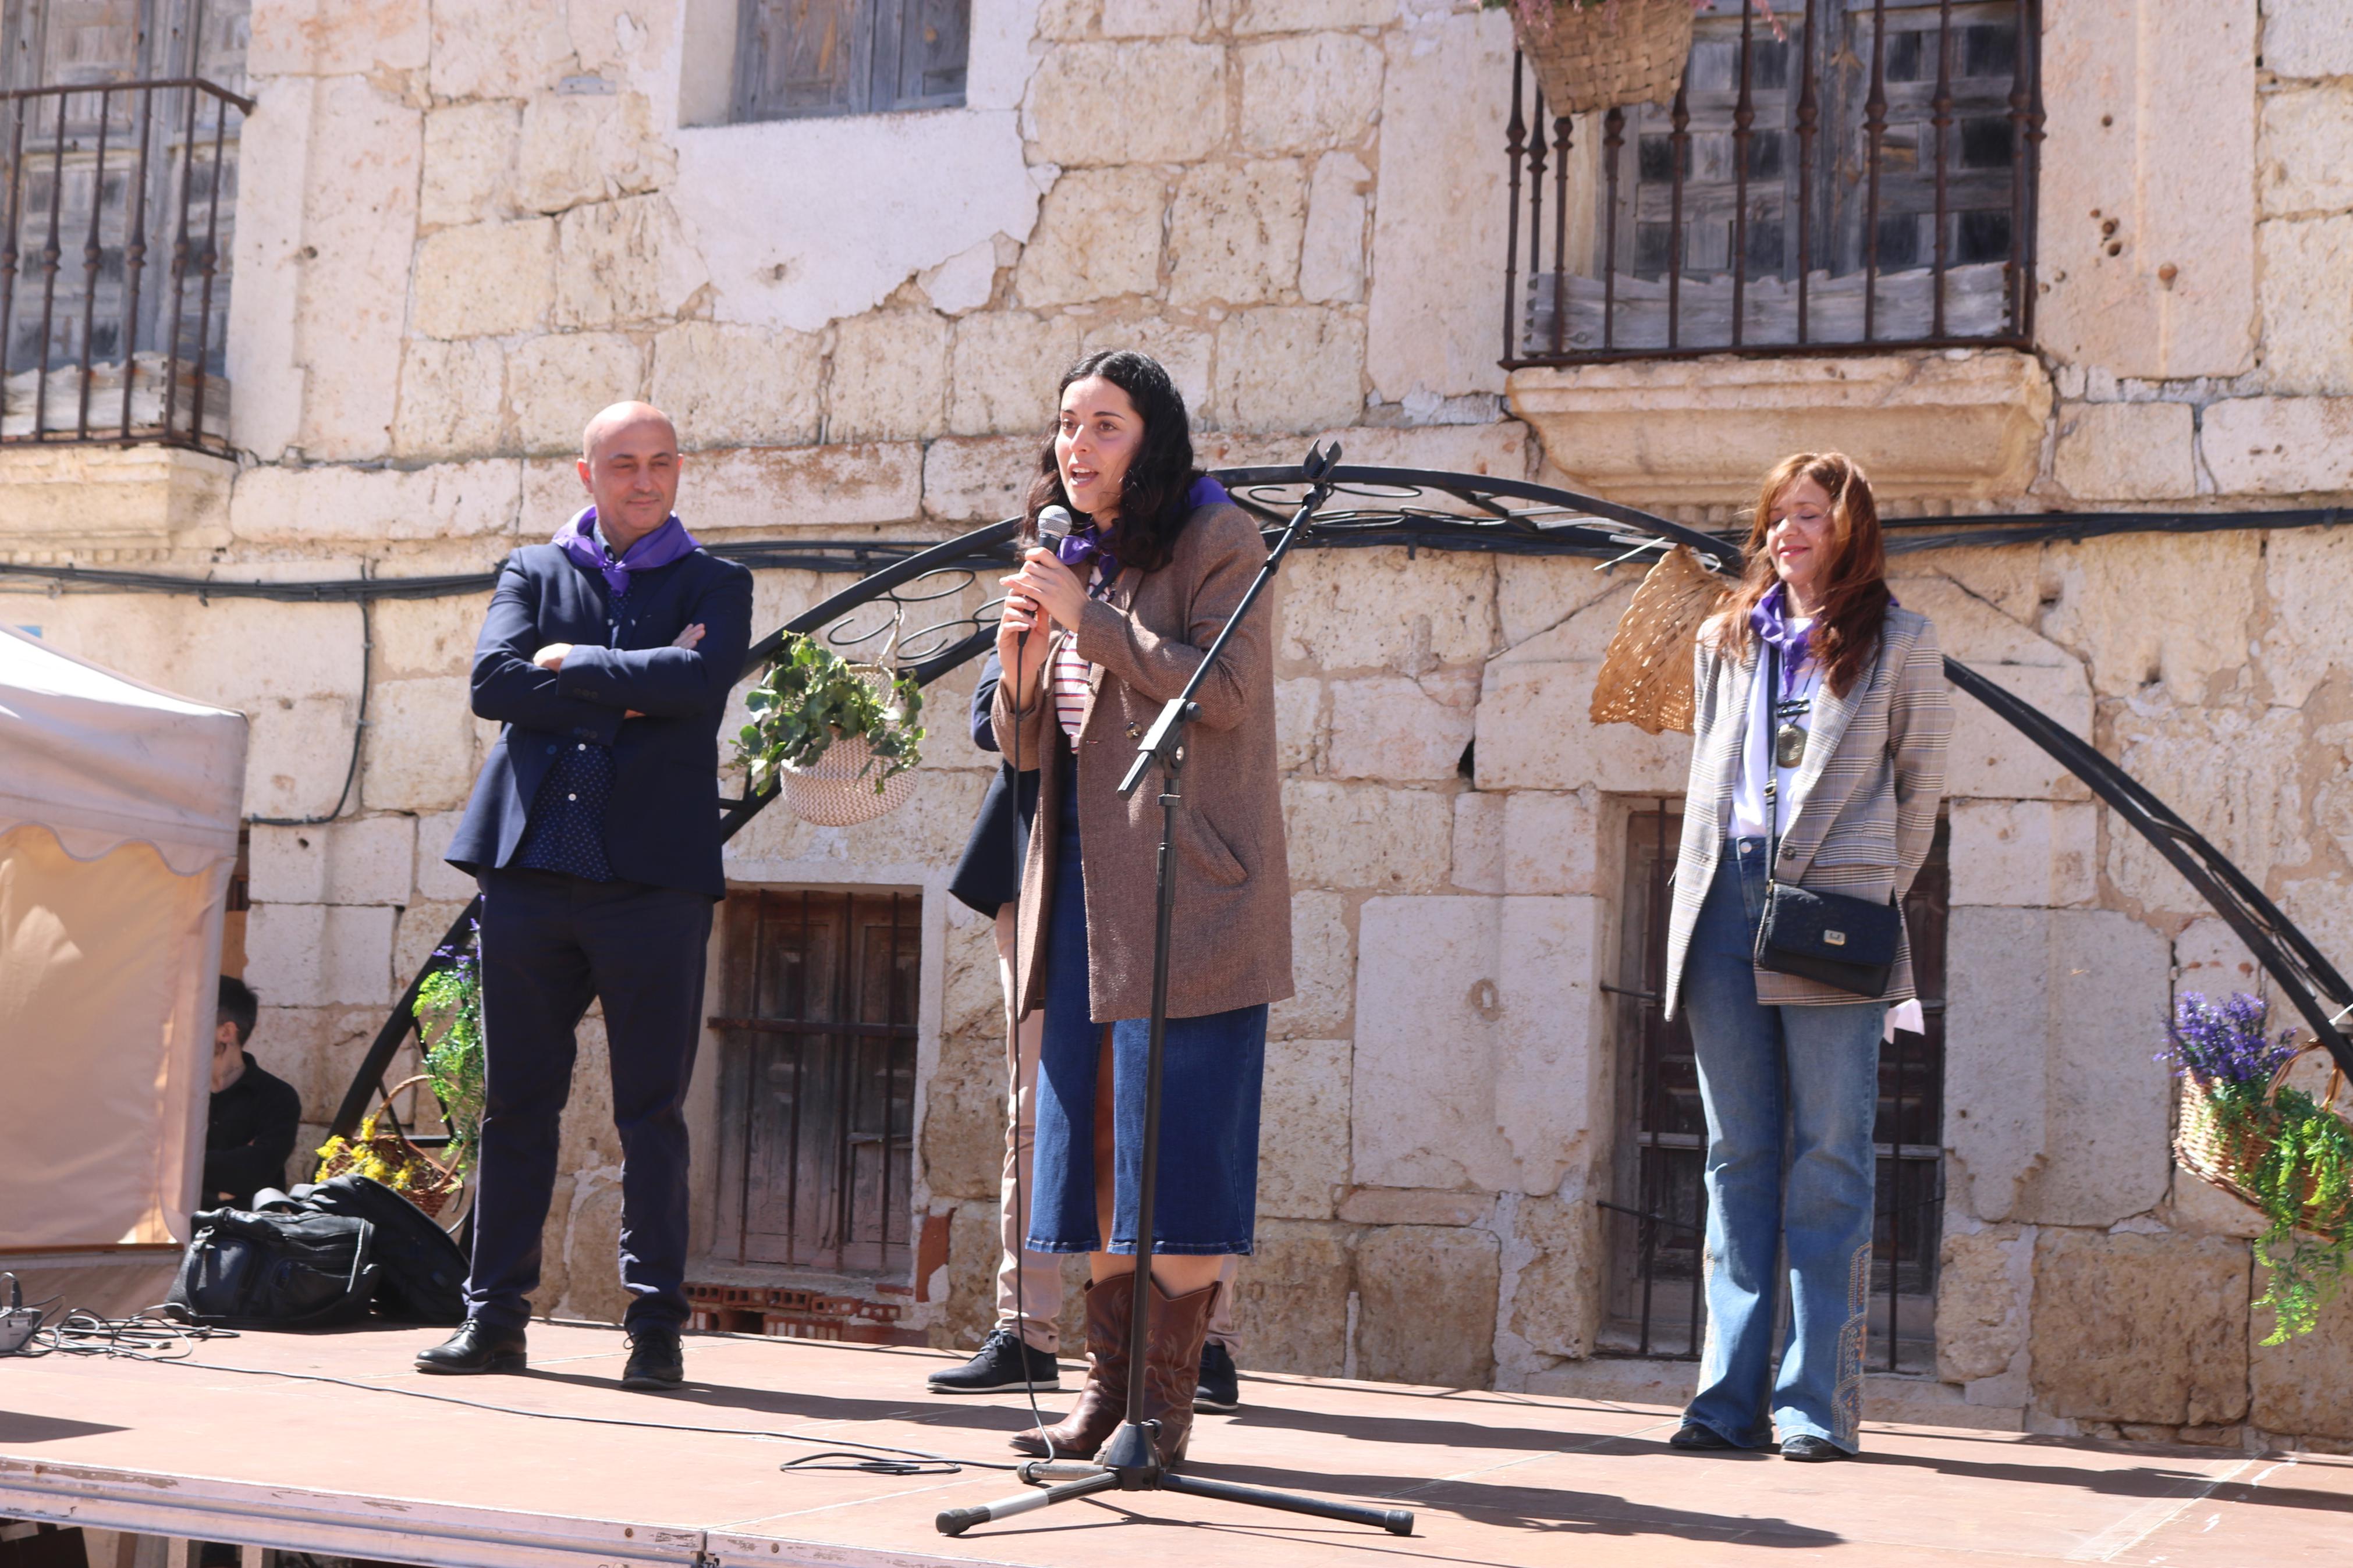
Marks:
<point>1211,1074</point>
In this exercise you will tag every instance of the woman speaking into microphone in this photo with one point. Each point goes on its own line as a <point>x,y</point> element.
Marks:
<point>1817,764</point>
<point>1098,635</point>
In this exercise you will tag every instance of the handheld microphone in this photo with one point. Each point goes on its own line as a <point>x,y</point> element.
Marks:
<point>1054,525</point>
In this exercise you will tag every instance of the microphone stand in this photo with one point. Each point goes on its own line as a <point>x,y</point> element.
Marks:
<point>1130,1461</point>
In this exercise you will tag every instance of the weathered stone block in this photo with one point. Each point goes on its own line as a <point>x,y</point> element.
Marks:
<point>625,260</point>
<point>963,1116</point>
<point>2197,1207</point>
<point>1479,841</point>
<point>2307,268</point>
<point>2233,774</point>
<point>1535,593</point>
<point>1291,1298</point>
<point>2140,1328</point>
<point>2306,38</point>
<point>2142,259</point>
<point>350,248</point>
<point>1535,732</point>
<point>802,487</point>
<point>436,878</point>
<point>1290,367</point>
<point>1172,99</point>
<point>316,954</point>
<point>1005,368</point>
<point>1151,19</point>
<point>1691,431</point>
<point>494,49</point>
<point>1362,836</point>
<point>2030,853</point>
<point>1299,734</point>
<point>452,399</point>
<point>1374,609</point>
<point>729,386</point>
<point>421,929</point>
<point>361,860</point>
<point>890,377</point>
<point>1416,1206</point>
<point>1553,1295</point>
<point>981,479</point>
<point>2305,151</point>
<point>1303,1147</point>
<point>1551,843</point>
<point>1478,1041</point>
<point>556,383</point>
<point>1234,235</point>
<point>1985,1285</point>
<point>1988,759</point>
<point>1395,730</point>
<point>1332,254</point>
<point>2279,446</point>
<point>308,506</point>
<point>470,158</point>
<point>1310,15</point>
<point>2304,1386</point>
<point>296,756</point>
<point>2060,1117</point>
<point>1323,965</point>
<point>1097,238</point>
<point>486,280</point>
<point>587,148</point>
<point>2310,639</point>
<point>420,755</point>
<point>304,37</point>
<point>1409,1277</point>
<point>593,1248</point>
<point>1305,94</point>
<point>969,1288</point>
<point>1440,210</point>
<point>2125,451</point>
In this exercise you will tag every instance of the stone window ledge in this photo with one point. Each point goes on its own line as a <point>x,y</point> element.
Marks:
<point>1936,425</point>
<point>111,503</point>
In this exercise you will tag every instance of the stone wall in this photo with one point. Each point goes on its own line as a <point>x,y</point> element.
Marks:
<point>466,224</point>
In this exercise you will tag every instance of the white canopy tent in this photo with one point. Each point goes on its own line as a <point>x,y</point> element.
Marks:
<point>119,815</point>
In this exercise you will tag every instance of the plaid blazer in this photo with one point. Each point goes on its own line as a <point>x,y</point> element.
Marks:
<point>1861,809</point>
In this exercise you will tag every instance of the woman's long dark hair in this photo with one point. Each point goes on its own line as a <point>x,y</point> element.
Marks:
<point>1853,586</point>
<point>1152,504</point>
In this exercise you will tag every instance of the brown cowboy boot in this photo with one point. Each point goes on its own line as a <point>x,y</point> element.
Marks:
<point>1102,1398</point>
<point>1172,1366</point>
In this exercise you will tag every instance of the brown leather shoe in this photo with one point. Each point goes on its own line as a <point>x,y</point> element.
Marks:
<point>1172,1365</point>
<point>1102,1398</point>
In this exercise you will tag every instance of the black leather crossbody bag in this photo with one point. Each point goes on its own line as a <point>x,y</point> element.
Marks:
<point>1837,940</point>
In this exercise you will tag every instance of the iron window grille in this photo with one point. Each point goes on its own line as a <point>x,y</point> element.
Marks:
<point>818,1078</point>
<point>804,59</point>
<point>1865,180</point>
<point>1655,1306</point>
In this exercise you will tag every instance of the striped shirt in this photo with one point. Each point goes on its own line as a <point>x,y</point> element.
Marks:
<point>1068,676</point>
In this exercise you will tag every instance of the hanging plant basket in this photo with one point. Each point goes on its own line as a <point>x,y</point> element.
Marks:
<point>837,738</point>
<point>1646,673</point>
<point>2230,1150</point>
<point>385,1154</point>
<point>1604,54</point>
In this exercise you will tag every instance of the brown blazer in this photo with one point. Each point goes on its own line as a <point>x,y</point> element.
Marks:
<point>1231,945</point>
<point>1862,810</point>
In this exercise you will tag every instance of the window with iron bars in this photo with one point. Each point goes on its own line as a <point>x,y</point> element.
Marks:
<point>818,1078</point>
<point>120,123</point>
<point>801,58</point>
<point>1657,1218</point>
<point>1865,177</point>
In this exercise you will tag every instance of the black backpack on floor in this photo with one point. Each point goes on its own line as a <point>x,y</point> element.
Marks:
<point>421,1273</point>
<point>280,1270</point>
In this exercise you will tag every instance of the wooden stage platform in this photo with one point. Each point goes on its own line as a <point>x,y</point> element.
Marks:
<point>227,1447</point>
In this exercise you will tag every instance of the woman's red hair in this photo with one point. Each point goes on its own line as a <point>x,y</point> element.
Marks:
<point>1852,593</point>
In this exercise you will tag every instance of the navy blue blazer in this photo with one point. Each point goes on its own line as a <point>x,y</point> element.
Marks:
<point>662,825</point>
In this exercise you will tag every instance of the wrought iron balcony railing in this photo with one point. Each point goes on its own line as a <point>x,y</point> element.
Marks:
<point>1850,174</point>
<point>117,204</point>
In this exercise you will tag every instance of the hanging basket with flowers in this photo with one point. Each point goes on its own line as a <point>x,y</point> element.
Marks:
<point>2247,1131</point>
<point>837,738</point>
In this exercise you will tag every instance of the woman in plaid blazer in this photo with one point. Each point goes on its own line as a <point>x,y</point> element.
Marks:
<point>1853,742</point>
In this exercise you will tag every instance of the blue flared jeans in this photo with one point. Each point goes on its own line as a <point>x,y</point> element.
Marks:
<point>1790,1093</point>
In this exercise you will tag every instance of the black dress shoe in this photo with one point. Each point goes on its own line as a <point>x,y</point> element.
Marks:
<point>1003,1364</point>
<point>656,1360</point>
<point>1806,1448</point>
<point>1220,1387</point>
<point>1693,1438</point>
<point>476,1347</point>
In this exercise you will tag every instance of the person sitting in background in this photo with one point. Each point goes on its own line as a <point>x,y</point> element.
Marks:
<point>250,1130</point>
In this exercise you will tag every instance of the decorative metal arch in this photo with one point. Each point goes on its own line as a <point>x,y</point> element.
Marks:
<point>1419,510</point>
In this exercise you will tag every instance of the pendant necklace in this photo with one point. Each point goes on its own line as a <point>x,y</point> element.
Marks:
<point>1789,735</point>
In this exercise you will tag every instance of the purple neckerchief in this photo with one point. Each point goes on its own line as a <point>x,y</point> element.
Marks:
<point>665,545</point>
<point>1769,621</point>
<point>1085,545</point>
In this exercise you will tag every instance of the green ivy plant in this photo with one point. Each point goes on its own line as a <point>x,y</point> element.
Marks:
<point>450,1024</point>
<point>810,698</point>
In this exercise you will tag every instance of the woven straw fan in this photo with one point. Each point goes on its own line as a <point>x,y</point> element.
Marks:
<point>1646,675</point>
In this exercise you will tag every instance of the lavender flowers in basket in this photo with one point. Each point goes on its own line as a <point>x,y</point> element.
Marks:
<point>2225,1045</point>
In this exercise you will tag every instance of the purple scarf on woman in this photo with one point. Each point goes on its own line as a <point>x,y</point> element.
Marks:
<point>1084,546</point>
<point>665,545</point>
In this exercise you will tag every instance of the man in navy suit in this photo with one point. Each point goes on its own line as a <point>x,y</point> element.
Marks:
<point>593,832</point>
